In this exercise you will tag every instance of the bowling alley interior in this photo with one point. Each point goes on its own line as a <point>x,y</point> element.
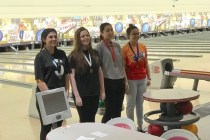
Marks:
<point>177,37</point>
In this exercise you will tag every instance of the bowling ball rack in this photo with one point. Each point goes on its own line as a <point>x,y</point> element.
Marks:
<point>168,115</point>
<point>172,122</point>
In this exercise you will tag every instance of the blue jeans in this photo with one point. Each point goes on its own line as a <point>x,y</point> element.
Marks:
<point>135,99</point>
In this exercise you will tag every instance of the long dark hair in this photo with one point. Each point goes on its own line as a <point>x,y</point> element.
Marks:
<point>129,29</point>
<point>102,27</point>
<point>44,35</point>
<point>77,53</point>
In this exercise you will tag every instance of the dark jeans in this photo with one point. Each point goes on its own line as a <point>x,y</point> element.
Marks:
<point>87,111</point>
<point>115,91</point>
<point>45,129</point>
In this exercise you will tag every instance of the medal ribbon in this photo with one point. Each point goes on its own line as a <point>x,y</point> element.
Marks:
<point>89,62</point>
<point>111,49</point>
<point>136,56</point>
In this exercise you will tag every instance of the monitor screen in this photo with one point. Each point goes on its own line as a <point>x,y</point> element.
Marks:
<point>53,105</point>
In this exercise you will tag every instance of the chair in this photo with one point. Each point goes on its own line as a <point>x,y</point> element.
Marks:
<point>123,123</point>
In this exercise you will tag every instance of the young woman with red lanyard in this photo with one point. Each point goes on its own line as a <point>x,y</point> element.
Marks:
<point>138,74</point>
<point>115,80</point>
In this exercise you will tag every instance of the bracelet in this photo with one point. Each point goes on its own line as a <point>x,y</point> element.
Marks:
<point>149,79</point>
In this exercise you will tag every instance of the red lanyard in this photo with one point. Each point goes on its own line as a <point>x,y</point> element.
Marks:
<point>111,49</point>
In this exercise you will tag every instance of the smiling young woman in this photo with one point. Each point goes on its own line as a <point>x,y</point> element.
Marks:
<point>115,80</point>
<point>51,70</point>
<point>86,77</point>
<point>138,74</point>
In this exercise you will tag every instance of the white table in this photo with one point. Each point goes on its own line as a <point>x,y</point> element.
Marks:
<point>74,131</point>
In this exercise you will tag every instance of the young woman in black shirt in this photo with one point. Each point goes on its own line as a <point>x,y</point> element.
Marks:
<point>51,69</point>
<point>86,76</point>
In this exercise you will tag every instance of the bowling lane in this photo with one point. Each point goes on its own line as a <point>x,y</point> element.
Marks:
<point>175,44</point>
<point>34,51</point>
<point>16,54</point>
<point>160,47</point>
<point>172,54</point>
<point>16,67</point>
<point>4,55</point>
<point>27,54</point>
<point>178,51</point>
<point>17,77</point>
<point>16,60</point>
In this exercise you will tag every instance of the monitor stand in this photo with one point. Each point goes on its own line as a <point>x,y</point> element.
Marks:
<point>32,111</point>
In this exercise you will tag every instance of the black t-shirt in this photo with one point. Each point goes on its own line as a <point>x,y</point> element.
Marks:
<point>51,68</point>
<point>87,83</point>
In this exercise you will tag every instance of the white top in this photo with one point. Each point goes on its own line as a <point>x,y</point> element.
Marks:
<point>97,131</point>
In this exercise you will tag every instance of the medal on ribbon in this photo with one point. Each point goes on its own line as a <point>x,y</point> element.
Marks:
<point>110,46</point>
<point>89,61</point>
<point>136,56</point>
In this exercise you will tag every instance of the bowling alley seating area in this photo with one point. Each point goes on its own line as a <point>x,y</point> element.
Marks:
<point>188,51</point>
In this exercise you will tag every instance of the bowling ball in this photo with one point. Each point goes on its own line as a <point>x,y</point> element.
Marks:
<point>184,107</point>
<point>156,130</point>
<point>191,127</point>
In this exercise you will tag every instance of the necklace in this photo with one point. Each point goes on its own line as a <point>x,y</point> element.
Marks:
<point>136,56</point>
<point>110,47</point>
<point>89,61</point>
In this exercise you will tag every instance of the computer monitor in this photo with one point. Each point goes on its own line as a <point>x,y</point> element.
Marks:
<point>53,105</point>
